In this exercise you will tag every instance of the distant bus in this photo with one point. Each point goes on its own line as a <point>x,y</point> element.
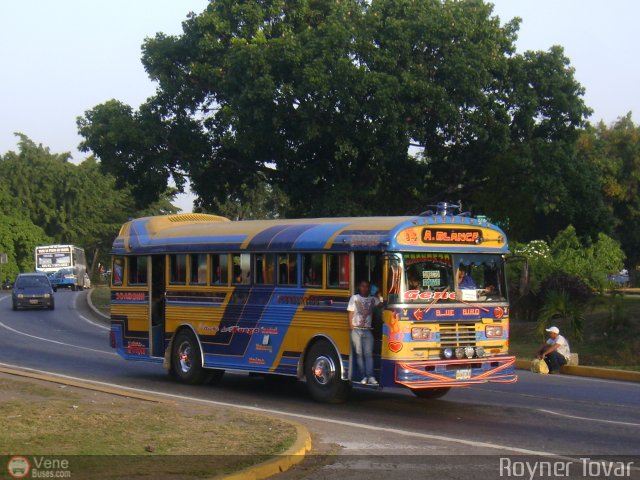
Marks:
<point>65,265</point>
<point>202,294</point>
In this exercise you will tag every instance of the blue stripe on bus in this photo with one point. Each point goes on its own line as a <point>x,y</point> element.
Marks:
<point>262,239</point>
<point>260,309</point>
<point>236,314</point>
<point>285,239</point>
<point>317,237</point>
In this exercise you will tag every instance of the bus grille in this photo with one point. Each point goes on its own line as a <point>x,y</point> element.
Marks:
<point>457,334</point>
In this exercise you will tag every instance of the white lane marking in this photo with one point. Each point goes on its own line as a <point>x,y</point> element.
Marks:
<point>55,341</point>
<point>75,306</point>
<point>261,410</point>
<point>615,422</point>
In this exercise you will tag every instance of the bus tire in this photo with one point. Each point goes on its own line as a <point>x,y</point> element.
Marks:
<point>186,363</point>
<point>430,393</point>
<point>73,288</point>
<point>323,369</point>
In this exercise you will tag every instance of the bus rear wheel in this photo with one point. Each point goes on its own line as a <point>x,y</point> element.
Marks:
<point>186,362</point>
<point>323,374</point>
<point>430,393</point>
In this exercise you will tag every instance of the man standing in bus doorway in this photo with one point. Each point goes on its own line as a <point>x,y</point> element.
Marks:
<point>360,308</point>
<point>555,351</point>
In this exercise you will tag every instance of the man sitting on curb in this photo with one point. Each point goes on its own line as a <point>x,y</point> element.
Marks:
<point>555,351</point>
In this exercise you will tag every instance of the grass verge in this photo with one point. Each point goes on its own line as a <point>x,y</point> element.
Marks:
<point>101,299</point>
<point>601,345</point>
<point>107,436</point>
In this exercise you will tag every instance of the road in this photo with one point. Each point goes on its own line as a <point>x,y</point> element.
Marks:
<point>375,433</point>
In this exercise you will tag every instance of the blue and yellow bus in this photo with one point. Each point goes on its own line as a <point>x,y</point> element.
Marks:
<point>201,294</point>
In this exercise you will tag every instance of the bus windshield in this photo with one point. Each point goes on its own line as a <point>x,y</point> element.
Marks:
<point>451,278</point>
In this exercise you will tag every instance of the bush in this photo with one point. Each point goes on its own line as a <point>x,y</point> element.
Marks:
<point>573,286</point>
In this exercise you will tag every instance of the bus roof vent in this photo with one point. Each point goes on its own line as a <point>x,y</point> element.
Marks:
<point>446,209</point>
<point>195,217</point>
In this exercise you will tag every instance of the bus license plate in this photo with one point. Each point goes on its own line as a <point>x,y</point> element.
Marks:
<point>463,374</point>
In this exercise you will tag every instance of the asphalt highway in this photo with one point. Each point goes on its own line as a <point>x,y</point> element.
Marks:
<point>376,433</point>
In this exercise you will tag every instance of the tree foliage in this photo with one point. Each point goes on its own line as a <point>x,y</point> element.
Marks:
<point>44,198</point>
<point>355,107</point>
<point>615,151</point>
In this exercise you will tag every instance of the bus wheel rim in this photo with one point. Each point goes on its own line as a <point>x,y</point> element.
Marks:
<point>323,369</point>
<point>184,357</point>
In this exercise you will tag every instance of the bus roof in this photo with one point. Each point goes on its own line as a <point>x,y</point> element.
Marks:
<point>186,233</point>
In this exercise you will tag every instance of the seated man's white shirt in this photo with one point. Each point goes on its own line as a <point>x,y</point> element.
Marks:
<point>563,346</point>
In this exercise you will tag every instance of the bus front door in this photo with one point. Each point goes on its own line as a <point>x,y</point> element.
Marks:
<point>158,292</point>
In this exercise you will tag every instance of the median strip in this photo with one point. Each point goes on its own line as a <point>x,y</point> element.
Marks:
<point>98,432</point>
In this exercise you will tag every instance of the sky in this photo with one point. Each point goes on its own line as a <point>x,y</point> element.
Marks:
<point>61,58</point>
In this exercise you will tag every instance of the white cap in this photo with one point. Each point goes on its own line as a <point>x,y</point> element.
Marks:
<point>552,330</point>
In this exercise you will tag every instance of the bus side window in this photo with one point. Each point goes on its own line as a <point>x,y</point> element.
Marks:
<point>338,270</point>
<point>288,269</point>
<point>264,268</point>
<point>241,269</point>
<point>117,275</point>
<point>137,270</point>
<point>312,270</point>
<point>178,269</point>
<point>198,266</point>
<point>220,269</point>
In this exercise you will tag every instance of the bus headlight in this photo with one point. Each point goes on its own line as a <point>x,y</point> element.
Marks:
<point>460,353</point>
<point>447,353</point>
<point>420,333</point>
<point>493,331</point>
<point>469,352</point>
<point>480,352</point>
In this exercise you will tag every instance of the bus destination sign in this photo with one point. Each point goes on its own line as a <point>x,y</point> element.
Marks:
<point>451,235</point>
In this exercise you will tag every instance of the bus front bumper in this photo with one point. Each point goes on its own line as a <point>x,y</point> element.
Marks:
<point>455,373</point>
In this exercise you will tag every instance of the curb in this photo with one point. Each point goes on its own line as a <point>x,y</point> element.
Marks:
<point>594,372</point>
<point>86,386</point>
<point>281,463</point>
<point>93,307</point>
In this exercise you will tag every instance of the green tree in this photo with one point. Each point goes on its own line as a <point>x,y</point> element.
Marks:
<point>615,150</point>
<point>69,203</point>
<point>18,239</point>
<point>355,107</point>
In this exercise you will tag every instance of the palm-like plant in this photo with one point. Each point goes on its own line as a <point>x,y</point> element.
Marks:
<point>559,305</point>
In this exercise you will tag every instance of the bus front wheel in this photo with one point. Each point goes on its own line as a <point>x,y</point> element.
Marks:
<point>186,362</point>
<point>430,393</point>
<point>323,374</point>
